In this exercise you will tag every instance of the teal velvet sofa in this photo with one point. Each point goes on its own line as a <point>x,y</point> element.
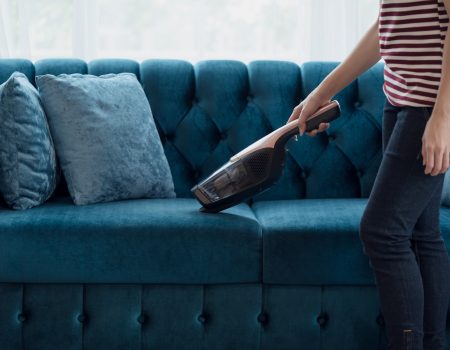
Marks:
<point>282,271</point>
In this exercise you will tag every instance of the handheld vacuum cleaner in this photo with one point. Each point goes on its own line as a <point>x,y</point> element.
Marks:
<point>257,167</point>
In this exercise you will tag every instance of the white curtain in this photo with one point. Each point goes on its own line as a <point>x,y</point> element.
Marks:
<point>296,30</point>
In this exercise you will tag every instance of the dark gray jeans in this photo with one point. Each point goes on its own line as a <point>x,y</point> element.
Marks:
<point>400,234</point>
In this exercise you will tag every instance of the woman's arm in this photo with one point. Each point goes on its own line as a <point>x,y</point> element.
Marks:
<point>442,104</point>
<point>436,137</point>
<point>364,55</point>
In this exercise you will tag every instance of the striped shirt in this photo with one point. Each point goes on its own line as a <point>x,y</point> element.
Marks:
<point>411,37</point>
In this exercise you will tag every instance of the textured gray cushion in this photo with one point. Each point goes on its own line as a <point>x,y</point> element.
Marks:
<point>28,169</point>
<point>105,137</point>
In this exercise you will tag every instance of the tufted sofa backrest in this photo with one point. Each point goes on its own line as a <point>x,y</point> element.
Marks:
<point>209,111</point>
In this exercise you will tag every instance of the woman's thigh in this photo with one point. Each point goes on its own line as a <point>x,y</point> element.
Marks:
<point>401,189</point>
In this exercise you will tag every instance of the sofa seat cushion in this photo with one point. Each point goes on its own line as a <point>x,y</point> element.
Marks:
<point>313,241</point>
<point>132,241</point>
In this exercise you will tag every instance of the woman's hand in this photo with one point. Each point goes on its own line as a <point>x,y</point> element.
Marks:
<point>436,143</point>
<point>306,108</point>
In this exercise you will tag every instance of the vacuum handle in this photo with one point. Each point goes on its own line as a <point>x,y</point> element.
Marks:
<point>324,114</point>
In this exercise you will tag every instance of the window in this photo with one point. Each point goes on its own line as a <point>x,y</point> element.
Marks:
<point>296,30</point>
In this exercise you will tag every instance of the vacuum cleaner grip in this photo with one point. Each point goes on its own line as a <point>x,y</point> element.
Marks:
<point>324,114</point>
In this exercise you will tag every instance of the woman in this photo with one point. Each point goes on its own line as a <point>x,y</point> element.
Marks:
<point>400,230</point>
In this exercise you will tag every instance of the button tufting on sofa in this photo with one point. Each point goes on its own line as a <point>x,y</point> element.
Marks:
<point>322,319</point>
<point>263,318</point>
<point>142,318</point>
<point>357,104</point>
<point>331,138</point>
<point>21,317</point>
<point>202,318</point>
<point>82,318</point>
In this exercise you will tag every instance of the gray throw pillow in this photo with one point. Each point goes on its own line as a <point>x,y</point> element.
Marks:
<point>28,169</point>
<point>105,137</point>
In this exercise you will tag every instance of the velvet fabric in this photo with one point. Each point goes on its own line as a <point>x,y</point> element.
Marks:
<point>56,66</point>
<point>130,241</point>
<point>285,272</point>
<point>239,316</point>
<point>228,106</point>
<point>28,168</point>
<point>105,137</point>
<point>11,65</point>
<point>102,66</point>
<point>313,241</point>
